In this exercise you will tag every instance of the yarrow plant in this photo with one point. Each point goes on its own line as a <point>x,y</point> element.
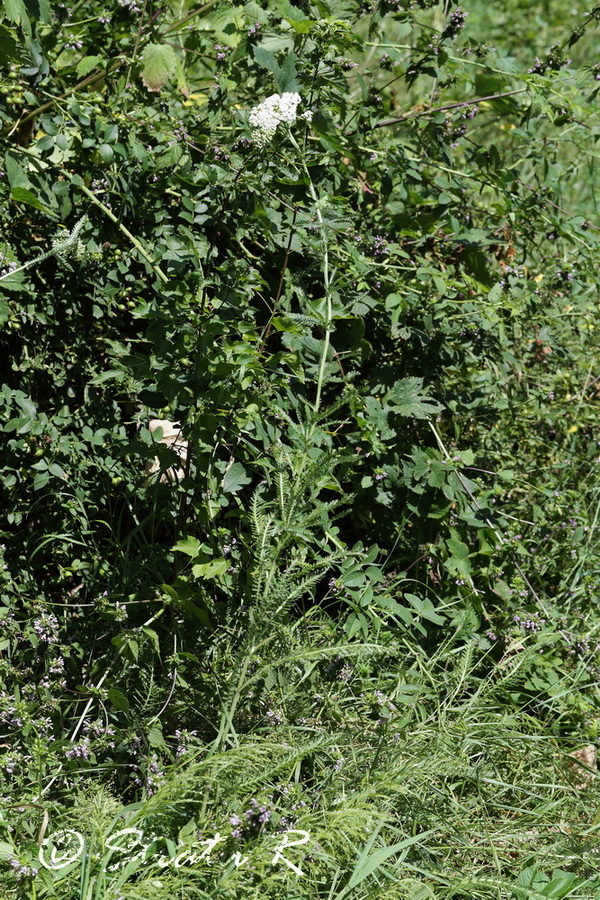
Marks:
<point>276,110</point>
<point>299,472</point>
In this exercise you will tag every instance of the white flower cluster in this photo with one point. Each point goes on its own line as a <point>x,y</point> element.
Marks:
<point>275,110</point>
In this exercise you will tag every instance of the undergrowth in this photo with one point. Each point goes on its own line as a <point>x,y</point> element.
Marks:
<point>299,410</point>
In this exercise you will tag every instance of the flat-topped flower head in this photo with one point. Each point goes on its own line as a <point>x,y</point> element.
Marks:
<point>275,110</point>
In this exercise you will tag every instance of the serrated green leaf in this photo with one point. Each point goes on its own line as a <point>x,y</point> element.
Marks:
<point>118,699</point>
<point>409,398</point>
<point>159,63</point>
<point>495,293</point>
<point>189,545</point>
<point>235,478</point>
<point>7,851</point>
<point>210,569</point>
<point>17,12</point>
<point>457,548</point>
<point>286,79</point>
<point>228,22</point>
<point>266,59</point>
<point>87,65</point>
<point>12,282</point>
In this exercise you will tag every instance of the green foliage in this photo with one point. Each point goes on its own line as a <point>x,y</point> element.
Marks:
<point>370,311</point>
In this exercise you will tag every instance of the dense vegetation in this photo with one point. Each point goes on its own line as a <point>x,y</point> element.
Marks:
<point>299,418</point>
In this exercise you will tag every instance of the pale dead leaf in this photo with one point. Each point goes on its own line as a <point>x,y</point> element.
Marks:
<point>588,756</point>
<point>171,436</point>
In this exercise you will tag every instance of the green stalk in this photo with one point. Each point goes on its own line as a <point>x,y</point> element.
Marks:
<point>326,277</point>
<point>121,227</point>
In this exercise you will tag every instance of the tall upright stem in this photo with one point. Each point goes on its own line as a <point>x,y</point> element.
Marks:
<point>326,277</point>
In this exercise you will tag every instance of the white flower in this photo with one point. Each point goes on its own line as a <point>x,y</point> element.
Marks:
<point>275,110</point>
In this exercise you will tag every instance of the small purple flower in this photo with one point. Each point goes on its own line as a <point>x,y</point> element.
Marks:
<point>46,628</point>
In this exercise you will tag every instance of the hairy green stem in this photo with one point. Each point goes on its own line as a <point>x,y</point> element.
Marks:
<point>76,181</point>
<point>55,251</point>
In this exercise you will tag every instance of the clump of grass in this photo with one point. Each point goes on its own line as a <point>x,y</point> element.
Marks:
<point>413,777</point>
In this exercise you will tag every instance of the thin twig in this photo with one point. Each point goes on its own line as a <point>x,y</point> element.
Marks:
<point>95,76</point>
<point>430,112</point>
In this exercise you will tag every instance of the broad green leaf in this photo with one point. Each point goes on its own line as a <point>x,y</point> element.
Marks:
<point>235,478</point>
<point>118,699</point>
<point>210,569</point>
<point>151,633</point>
<point>17,12</point>
<point>408,397</point>
<point>12,281</point>
<point>189,545</point>
<point>106,153</point>
<point>24,195</point>
<point>20,424</point>
<point>266,59</point>
<point>495,293</point>
<point>159,64</point>
<point>7,851</point>
<point>228,23</point>
<point>286,79</point>
<point>328,132</point>
<point>88,64</point>
<point>457,548</point>
<point>9,48</point>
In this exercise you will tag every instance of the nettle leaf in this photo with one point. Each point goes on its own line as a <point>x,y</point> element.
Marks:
<point>17,12</point>
<point>228,24</point>
<point>408,397</point>
<point>12,282</point>
<point>159,65</point>
<point>7,851</point>
<point>88,64</point>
